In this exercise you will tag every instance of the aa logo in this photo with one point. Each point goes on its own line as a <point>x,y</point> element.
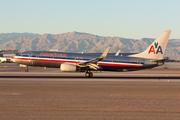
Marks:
<point>155,49</point>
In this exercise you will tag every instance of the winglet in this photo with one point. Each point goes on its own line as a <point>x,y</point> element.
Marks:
<point>117,53</point>
<point>105,53</point>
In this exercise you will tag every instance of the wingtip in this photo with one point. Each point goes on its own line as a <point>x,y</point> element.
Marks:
<point>105,53</point>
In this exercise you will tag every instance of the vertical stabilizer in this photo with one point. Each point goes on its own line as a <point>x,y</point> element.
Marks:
<point>157,48</point>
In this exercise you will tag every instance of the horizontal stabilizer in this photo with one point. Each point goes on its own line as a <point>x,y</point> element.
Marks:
<point>161,60</point>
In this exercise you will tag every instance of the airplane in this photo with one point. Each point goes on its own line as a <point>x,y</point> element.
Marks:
<point>83,62</point>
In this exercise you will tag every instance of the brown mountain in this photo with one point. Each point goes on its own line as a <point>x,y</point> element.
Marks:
<point>84,42</point>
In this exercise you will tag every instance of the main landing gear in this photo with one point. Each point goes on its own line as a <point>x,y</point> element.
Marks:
<point>26,70</point>
<point>89,74</point>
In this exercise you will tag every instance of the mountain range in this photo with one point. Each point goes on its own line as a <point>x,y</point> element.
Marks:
<point>81,42</point>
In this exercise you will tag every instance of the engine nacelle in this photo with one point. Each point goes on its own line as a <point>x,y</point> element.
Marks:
<point>3,60</point>
<point>68,67</point>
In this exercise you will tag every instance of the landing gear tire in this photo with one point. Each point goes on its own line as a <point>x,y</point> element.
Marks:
<point>26,70</point>
<point>88,74</point>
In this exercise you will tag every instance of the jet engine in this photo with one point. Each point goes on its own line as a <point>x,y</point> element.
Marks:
<point>68,67</point>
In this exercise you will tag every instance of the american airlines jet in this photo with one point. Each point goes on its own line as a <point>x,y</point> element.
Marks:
<point>81,62</point>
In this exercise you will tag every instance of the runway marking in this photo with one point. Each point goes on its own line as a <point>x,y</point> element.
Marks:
<point>4,66</point>
<point>11,93</point>
<point>91,109</point>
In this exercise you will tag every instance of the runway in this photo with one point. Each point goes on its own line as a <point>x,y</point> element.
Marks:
<point>99,78</point>
<point>51,94</point>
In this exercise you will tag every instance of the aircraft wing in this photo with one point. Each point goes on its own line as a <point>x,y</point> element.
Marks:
<point>93,63</point>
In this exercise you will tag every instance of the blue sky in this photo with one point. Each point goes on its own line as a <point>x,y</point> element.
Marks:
<point>123,18</point>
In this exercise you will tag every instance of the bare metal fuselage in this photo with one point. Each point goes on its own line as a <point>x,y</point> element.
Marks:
<point>55,59</point>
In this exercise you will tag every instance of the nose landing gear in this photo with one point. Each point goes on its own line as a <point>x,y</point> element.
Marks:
<point>89,74</point>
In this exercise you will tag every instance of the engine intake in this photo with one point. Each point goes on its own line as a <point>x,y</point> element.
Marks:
<point>68,67</point>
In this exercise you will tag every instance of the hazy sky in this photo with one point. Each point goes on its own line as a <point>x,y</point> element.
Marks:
<point>123,18</point>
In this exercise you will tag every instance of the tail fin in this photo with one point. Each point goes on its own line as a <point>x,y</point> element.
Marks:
<point>157,48</point>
